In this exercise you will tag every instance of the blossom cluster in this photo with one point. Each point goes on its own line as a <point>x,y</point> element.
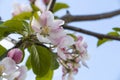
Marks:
<point>8,66</point>
<point>71,51</point>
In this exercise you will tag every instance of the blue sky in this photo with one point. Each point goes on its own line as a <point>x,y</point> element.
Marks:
<point>104,61</point>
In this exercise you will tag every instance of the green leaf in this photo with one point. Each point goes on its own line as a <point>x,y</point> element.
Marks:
<point>40,60</point>
<point>34,7</point>
<point>101,41</point>
<point>48,76</point>
<point>113,33</point>
<point>28,63</point>
<point>54,64</point>
<point>23,16</point>
<point>116,29</point>
<point>2,50</point>
<point>11,26</point>
<point>59,6</point>
<point>16,25</point>
<point>73,36</point>
<point>1,22</point>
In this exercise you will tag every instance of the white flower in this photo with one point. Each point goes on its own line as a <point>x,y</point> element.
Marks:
<point>10,71</point>
<point>81,45</point>
<point>46,25</point>
<point>66,41</point>
<point>8,65</point>
<point>19,8</point>
<point>23,71</point>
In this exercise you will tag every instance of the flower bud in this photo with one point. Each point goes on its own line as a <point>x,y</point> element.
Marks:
<point>16,54</point>
<point>46,2</point>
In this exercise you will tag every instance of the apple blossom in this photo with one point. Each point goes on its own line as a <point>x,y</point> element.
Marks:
<point>70,51</point>
<point>7,65</point>
<point>19,8</point>
<point>81,47</point>
<point>10,71</point>
<point>46,25</point>
<point>16,54</point>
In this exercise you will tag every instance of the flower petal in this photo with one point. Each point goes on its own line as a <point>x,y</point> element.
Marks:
<point>23,73</point>
<point>61,54</point>
<point>57,23</point>
<point>9,64</point>
<point>36,25</point>
<point>12,76</point>
<point>42,38</point>
<point>66,41</point>
<point>46,18</point>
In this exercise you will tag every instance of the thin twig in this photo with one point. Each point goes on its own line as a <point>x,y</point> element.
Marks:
<point>72,18</point>
<point>52,5</point>
<point>97,35</point>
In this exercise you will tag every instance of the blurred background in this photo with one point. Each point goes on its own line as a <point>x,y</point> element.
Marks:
<point>104,63</point>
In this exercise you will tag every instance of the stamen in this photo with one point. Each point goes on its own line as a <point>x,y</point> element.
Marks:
<point>45,31</point>
<point>2,68</point>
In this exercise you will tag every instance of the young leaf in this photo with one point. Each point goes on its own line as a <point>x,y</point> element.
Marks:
<point>101,41</point>
<point>48,76</point>
<point>113,33</point>
<point>116,29</point>
<point>73,36</point>
<point>34,7</point>
<point>16,25</point>
<point>54,64</point>
<point>40,60</point>
<point>11,26</point>
<point>2,50</point>
<point>28,63</point>
<point>59,6</point>
<point>23,16</point>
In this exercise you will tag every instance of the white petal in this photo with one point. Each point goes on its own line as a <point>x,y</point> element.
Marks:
<point>42,38</point>
<point>17,9</point>
<point>41,6</point>
<point>9,64</point>
<point>50,18</point>
<point>12,76</point>
<point>57,23</point>
<point>36,25</point>
<point>66,41</point>
<point>46,18</point>
<point>23,73</point>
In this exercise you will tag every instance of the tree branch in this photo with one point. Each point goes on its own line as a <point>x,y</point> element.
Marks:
<point>97,35</point>
<point>70,18</point>
<point>52,5</point>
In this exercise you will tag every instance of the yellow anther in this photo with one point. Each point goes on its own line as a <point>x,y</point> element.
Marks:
<point>2,68</point>
<point>45,31</point>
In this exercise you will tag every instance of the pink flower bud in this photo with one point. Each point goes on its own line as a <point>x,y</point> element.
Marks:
<point>46,1</point>
<point>16,54</point>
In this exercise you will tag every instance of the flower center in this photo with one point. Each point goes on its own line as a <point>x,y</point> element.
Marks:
<point>45,31</point>
<point>2,68</point>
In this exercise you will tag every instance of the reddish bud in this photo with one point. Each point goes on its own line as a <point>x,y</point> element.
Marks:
<point>46,1</point>
<point>16,54</point>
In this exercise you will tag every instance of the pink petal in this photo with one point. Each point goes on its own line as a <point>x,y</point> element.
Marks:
<point>16,54</point>
<point>61,54</point>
